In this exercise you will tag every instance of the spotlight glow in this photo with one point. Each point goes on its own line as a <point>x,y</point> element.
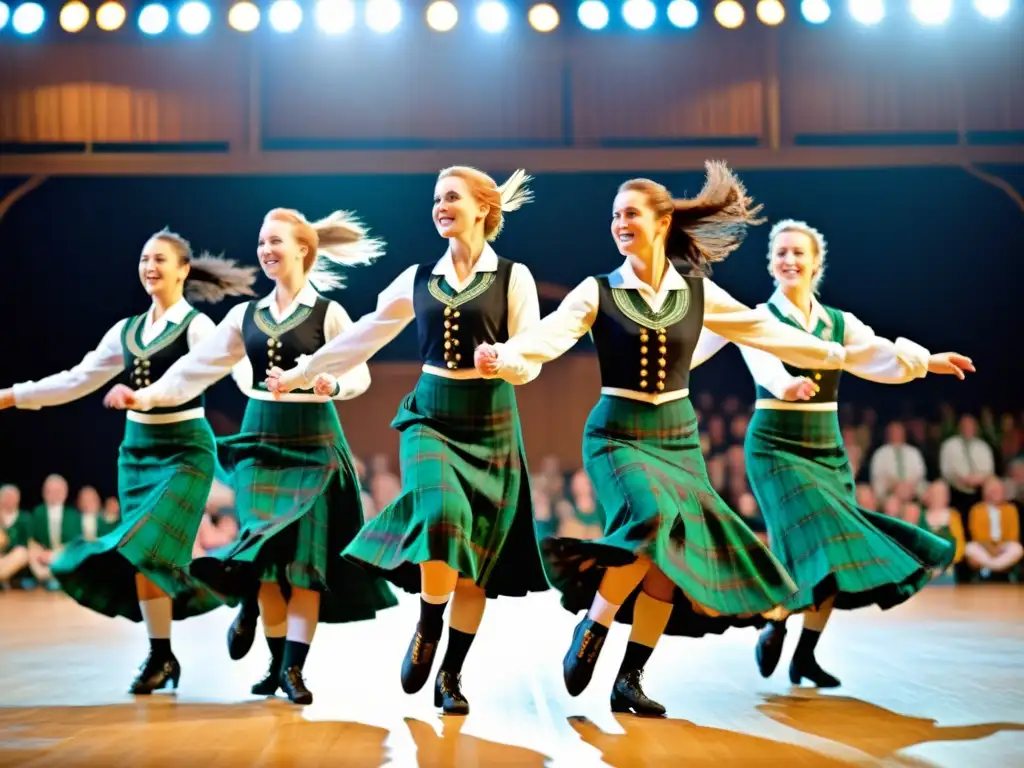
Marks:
<point>110,16</point>
<point>194,17</point>
<point>5,15</point>
<point>770,12</point>
<point>383,16</point>
<point>73,16</point>
<point>990,9</point>
<point>543,17</point>
<point>285,16</point>
<point>28,18</point>
<point>492,16</point>
<point>442,16</point>
<point>593,14</point>
<point>683,14</point>
<point>867,12</point>
<point>244,16</point>
<point>931,13</point>
<point>153,19</point>
<point>639,14</point>
<point>730,14</point>
<point>335,17</point>
<point>815,11</point>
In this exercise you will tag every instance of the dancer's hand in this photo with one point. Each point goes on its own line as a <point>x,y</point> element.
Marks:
<point>800,389</point>
<point>950,363</point>
<point>120,397</point>
<point>6,398</point>
<point>485,358</point>
<point>325,385</point>
<point>281,382</point>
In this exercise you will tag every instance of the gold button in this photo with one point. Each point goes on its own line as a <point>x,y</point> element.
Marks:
<point>146,363</point>
<point>447,355</point>
<point>458,356</point>
<point>643,350</point>
<point>447,334</point>
<point>643,383</point>
<point>817,376</point>
<point>138,382</point>
<point>447,311</point>
<point>147,382</point>
<point>447,345</point>
<point>270,342</point>
<point>661,374</point>
<point>643,361</point>
<point>455,327</point>
<point>451,364</point>
<point>455,342</point>
<point>661,385</point>
<point>661,338</point>
<point>447,323</point>
<point>662,362</point>
<point>663,350</point>
<point>661,330</point>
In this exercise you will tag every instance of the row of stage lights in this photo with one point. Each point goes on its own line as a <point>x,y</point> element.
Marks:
<point>337,16</point>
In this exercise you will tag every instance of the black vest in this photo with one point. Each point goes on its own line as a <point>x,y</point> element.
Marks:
<point>450,325</point>
<point>268,344</point>
<point>827,381</point>
<point>145,364</point>
<point>643,350</point>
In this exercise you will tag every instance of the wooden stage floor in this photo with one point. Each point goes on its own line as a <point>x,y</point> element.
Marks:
<point>936,682</point>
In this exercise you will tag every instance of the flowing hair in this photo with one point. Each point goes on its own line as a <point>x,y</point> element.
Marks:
<point>210,278</point>
<point>705,229</point>
<point>338,239</point>
<point>509,196</point>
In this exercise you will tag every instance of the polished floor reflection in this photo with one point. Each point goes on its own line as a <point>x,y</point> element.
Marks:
<point>937,682</point>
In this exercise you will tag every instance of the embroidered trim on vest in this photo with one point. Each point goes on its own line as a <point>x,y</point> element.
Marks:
<point>141,352</point>
<point>266,323</point>
<point>481,282</point>
<point>632,305</point>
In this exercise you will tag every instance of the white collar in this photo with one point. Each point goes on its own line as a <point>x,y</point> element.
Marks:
<point>488,262</point>
<point>306,296</point>
<point>625,277</point>
<point>790,310</point>
<point>175,313</point>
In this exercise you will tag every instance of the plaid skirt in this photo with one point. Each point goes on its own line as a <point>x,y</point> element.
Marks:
<point>465,496</point>
<point>298,505</point>
<point>647,469</point>
<point>800,475</point>
<point>164,474</point>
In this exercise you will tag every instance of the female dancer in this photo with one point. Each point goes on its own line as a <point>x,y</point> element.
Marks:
<point>463,523</point>
<point>674,558</point>
<point>166,462</point>
<point>840,555</point>
<point>295,484</point>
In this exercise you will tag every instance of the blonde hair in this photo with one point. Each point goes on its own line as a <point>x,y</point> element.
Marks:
<point>338,239</point>
<point>818,239</point>
<point>210,278</point>
<point>508,197</point>
<point>708,227</point>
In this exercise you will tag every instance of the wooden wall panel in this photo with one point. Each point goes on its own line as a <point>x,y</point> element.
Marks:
<point>110,92</point>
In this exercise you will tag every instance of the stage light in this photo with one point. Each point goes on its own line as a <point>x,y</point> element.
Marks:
<point>593,14</point>
<point>5,15</point>
<point>867,12</point>
<point>383,15</point>
<point>244,16</point>
<point>285,16</point>
<point>110,16</point>
<point>28,18</point>
<point>815,11</point>
<point>730,14</point>
<point>639,14</point>
<point>335,16</point>
<point>770,12</point>
<point>73,16</point>
<point>683,14</point>
<point>543,17</point>
<point>990,9</point>
<point>931,12</point>
<point>492,16</point>
<point>442,16</point>
<point>153,19</point>
<point>194,17</point>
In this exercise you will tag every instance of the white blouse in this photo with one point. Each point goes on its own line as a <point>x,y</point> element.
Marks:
<point>558,332</point>
<point>395,311</point>
<point>106,362</point>
<point>224,350</point>
<point>868,356</point>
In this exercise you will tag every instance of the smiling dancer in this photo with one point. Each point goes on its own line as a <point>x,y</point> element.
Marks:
<point>295,484</point>
<point>674,558</point>
<point>463,523</point>
<point>166,462</point>
<point>840,555</point>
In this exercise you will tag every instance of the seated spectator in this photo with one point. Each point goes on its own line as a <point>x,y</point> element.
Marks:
<point>89,508</point>
<point>994,525</point>
<point>15,531</point>
<point>866,498</point>
<point>54,524</point>
<point>942,520</point>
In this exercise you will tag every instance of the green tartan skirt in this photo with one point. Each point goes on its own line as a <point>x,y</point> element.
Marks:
<point>647,469</point>
<point>800,475</point>
<point>298,505</point>
<point>164,475</point>
<point>465,496</point>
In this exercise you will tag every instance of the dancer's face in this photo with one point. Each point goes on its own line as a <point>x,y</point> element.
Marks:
<point>456,211</point>
<point>635,226</point>
<point>161,270</point>
<point>795,260</point>
<point>280,254</point>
